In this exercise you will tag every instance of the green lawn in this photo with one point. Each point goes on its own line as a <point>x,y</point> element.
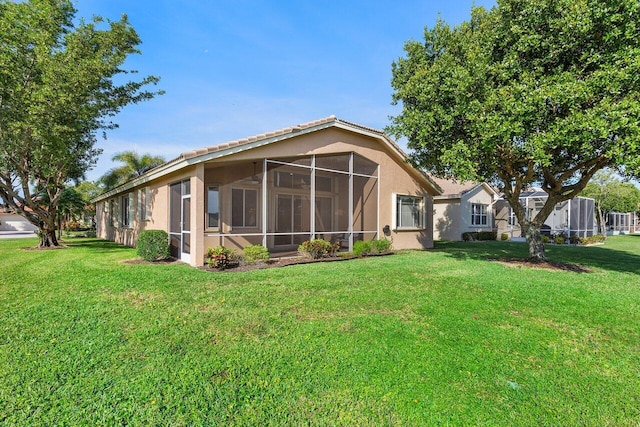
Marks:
<point>442,337</point>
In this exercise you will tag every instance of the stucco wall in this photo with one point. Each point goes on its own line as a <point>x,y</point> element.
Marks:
<point>452,216</point>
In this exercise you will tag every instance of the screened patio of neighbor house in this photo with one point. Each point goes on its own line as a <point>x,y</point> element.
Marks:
<point>332,197</point>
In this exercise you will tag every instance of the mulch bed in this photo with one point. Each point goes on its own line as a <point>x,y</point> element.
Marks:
<point>543,265</point>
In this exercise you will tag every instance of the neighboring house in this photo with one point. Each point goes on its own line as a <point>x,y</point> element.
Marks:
<point>462,207</point>
<point>328,179</point>
<point>622,223</point>
<point>10,221</point>
<point>575,217</point>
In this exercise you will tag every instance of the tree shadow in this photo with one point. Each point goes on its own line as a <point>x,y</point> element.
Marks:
<point>97,245</point>
<point>597,256</point>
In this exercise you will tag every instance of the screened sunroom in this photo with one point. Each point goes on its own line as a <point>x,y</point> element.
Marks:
<point>333,197</point>
<point>573,218</point>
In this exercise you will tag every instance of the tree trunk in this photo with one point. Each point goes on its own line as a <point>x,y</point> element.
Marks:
<point>47,237</point>
<point>536,247</point>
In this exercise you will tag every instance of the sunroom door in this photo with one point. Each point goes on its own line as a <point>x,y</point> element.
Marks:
<point>180,220</point>
<point>289,219</point>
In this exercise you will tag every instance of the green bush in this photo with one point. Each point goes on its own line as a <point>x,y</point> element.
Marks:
<point>559,240</point>
<point>222,257</point>
<point>546,239</point>
<point>315,249</point>
<point>381,246</point>
<point>471,236</point>
<point>362,248</point>
<point>254,253</point>
<point>504,236</point>
<point>153,245</point>
<point>590,240</point>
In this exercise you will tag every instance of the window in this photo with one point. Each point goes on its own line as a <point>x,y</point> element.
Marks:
<point>244,207</point>
<point>409,212</point>
<point>144,204</point>
<point>478,214</point>
<point>112,216</point>
<point>127,206</point>
<point>213,207</point>
<point>512,217</point>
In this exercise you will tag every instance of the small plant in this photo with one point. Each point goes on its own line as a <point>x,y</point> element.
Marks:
<point>221,258</point>
<point>335,247</point>
<point>381,246</point>
<point>546,239</point>
<point>153,245</point>
<point>362,248</point>
<point>255,253</point>
<point>315,249</point>
<point>504,236</point>
<point>559,240</point>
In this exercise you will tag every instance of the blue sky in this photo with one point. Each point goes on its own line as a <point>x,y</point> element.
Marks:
<point>233,69</point>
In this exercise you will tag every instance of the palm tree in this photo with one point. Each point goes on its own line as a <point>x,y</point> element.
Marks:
<point>134,166</point>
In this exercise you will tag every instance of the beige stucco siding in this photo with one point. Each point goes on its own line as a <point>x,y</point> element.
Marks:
<point>452,216</point>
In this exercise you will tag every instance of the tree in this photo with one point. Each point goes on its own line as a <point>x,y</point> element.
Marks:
<point>611,195</point>
<point>531,92</point>
<point>57,90</point>
<point>134,166</point>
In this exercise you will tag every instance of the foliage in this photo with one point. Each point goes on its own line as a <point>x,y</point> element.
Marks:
<point>504,236</point>
<point>532,92</point>
<point>558,240</point>
<point>134,166</point>
<point>470,236</point>
<point>153,245</point>
<point>412,339</point>
<point>60,83</point>
<point>381,246</point>
<point>546,239</point>
<point>591,240</point>
<point>362,247</point>
<point>315,249</point>
<point>254,253</point>
<point>222,258</point>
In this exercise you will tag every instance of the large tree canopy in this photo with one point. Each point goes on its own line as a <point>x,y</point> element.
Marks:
<point>532,92</point>
<point>57,90</point>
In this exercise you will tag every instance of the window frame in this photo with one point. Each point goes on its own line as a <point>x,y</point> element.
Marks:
<point>244,208</point>
<point>397,213</point>
<point>479,216</point>
<point>208,225</point>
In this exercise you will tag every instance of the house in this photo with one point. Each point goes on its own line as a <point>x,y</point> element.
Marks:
<point>574,217</point>
<point>622,223</point>
<point>329,179</point>
<point>463,207</point>
<point>11,221</point>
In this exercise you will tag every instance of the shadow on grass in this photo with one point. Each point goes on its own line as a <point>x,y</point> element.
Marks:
<point>96,245</point>
<point>605,257</point>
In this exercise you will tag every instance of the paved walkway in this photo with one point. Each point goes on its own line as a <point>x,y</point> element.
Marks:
<point>16,234</point>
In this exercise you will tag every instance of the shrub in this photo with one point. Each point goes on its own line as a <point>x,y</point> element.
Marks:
<point>315,249</point>
<point>381,246</point>
<point>362,248</point>
<point>471,236</point>
<point>546,239</point>
<point>153,245</point>
<point>590,240</point>
<point>254,253</point>
<point>504,236</point>
<point>559,240</point>
<point>222,257</point>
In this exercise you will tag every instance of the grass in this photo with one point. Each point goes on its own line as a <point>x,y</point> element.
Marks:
<point>442,337</point>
